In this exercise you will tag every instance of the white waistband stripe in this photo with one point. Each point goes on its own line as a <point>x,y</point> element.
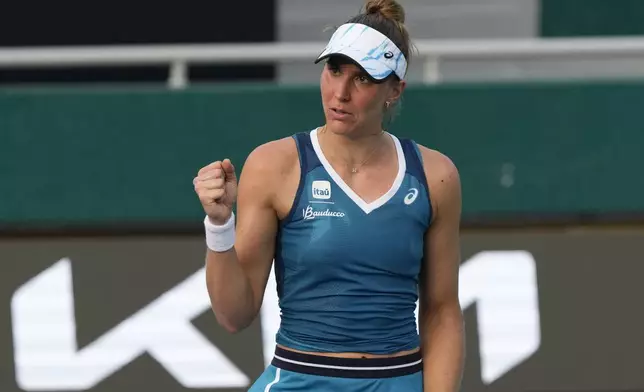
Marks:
<point>404,365</point>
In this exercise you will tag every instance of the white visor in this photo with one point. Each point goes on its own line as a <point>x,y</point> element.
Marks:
<point>369,48</point>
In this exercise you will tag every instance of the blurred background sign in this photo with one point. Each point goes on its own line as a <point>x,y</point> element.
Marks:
<point>546,310</point>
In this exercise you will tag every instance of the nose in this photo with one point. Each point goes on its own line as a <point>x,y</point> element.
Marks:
<point>343,89</point>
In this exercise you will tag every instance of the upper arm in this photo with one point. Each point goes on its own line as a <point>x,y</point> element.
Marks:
<point>439,281</point>
<point>257,220</point>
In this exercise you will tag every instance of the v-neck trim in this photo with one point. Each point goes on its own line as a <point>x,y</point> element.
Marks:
<point>364,206</point>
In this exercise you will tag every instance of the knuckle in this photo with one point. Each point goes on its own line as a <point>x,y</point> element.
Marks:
<point>209,167</point>
<point>209,175</point>
<point>215,183</point>
<point>212,184</point>
<point>213,193</point>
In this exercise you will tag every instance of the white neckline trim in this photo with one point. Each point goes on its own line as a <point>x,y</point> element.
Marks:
<point>364,206</point>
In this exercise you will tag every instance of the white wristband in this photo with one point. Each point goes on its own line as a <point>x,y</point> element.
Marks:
<point>220,238</point>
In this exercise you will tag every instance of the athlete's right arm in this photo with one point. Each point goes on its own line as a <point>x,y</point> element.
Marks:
<point>236,279</point>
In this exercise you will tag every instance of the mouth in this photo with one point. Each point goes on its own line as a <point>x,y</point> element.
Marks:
<point>340,112</point>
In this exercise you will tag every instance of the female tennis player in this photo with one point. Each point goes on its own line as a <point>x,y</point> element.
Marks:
<point>360,225</point>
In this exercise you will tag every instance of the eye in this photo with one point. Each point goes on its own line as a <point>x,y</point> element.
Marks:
<point>363,79</point>
<point>333,69</point>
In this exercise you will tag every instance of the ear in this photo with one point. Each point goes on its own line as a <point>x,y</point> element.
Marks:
<point>398,86</point>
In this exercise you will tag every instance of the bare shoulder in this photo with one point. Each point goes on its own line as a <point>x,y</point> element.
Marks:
<point>438,166</point>
<point>443,179</point>
<point>272,159</point>
<point>270,169</point>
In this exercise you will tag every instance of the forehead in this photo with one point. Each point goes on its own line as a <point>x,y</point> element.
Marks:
<point>344,62</point>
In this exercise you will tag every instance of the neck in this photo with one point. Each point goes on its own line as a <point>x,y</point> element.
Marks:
<point>352,149</point>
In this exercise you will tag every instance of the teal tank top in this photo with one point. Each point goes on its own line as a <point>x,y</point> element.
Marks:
<point>347,271</point>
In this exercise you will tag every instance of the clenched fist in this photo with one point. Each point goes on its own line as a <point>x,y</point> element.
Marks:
<point>216,186</point>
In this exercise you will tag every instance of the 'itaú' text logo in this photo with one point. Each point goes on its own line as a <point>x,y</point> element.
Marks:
<point>501,284</point>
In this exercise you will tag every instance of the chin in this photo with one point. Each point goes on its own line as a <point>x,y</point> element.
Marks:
<point>341,128</point>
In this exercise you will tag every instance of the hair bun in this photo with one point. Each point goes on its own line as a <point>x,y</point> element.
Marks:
<point>389,9</point>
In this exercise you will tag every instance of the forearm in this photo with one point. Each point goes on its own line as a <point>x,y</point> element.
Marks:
<point>231,294</point>
<point>443,345</point>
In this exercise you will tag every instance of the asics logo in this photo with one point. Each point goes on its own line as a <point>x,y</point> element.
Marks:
<point>411,196</point>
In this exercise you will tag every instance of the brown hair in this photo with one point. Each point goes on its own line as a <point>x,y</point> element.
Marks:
<point>388,17</point>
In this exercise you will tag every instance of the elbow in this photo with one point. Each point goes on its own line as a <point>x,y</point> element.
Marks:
<point>450,311</point>
<point>230,326</point>
<point>443,322</point>
<point>234,316</point>
<point>232,329</point>
<point>233,325</point>
<point>445,312</point>
<point>452,307</point>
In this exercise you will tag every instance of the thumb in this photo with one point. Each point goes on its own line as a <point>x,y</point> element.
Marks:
<point>229,169</point>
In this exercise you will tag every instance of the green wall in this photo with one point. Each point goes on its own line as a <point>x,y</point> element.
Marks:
<point>97,158</point>
<point>571,18</point>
